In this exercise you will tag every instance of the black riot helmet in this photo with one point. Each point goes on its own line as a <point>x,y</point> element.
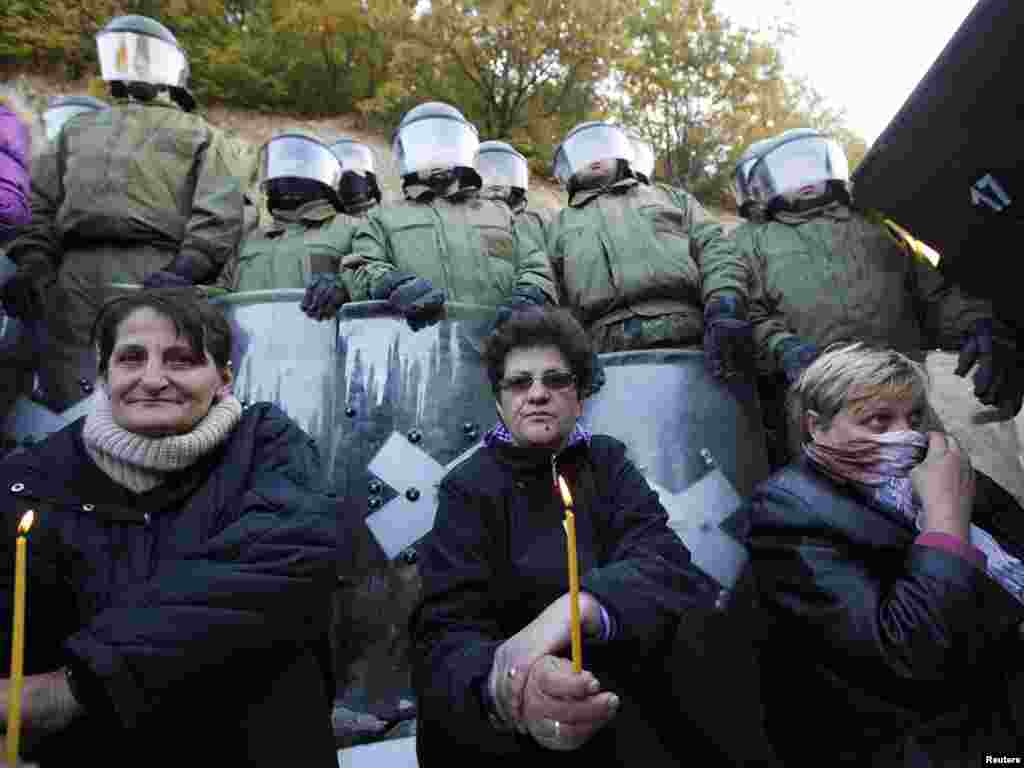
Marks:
<point>143,56</point>
<point>63,108</point>
<point>358,189</point>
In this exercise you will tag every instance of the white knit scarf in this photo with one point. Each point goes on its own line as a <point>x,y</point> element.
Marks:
<point>141,463</point>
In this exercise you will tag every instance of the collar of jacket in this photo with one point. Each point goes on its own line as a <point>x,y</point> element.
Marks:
<point>533,459</point>
<point>157,102</point>
<point>313,212</point>
<point>457,191</point>
<point>584,196</point>
<point>833,210</point>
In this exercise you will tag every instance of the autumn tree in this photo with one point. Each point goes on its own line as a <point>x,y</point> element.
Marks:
<point>516,68</point>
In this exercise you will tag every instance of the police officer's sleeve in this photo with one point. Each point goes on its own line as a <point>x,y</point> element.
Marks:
<point>533,267</point>
<point>214,226</point>
<point>721,270</point>
<point>947,312</point>
<point>770,326</point>
<point>369,260</point>
<point>39,242</point>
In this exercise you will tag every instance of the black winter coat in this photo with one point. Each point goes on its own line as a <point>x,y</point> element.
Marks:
<point>193,616</point>
<point>497,557</point>
<point>877,651</point>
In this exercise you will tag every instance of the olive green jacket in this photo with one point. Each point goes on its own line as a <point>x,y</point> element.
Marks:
<point>632,249</point>
<point>471,247</point>
<point>296,244</point>
<point>832,274</point>
<point>137,173</point>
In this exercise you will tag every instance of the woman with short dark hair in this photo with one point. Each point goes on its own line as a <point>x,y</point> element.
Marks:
<point>492,632</point>
<point>181,562</point>
<point>890,579</point>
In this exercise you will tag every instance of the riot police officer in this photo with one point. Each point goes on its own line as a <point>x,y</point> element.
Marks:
<point>645,266</point>
<point>825,272</point>
<point>144,194</point>
<point>505,175</point>
<point>303,244</point>
<point>444,241</point>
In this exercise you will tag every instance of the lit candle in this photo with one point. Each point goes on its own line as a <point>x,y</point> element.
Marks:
<point>17,640</point>
<point>574,577</point>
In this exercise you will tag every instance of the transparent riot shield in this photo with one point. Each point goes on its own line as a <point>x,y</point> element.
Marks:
<point>410,405</point>
<point>697,445</point>
<point>280,355</point>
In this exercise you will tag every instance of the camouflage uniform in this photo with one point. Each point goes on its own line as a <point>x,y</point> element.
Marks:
<point>467,245</point>
<point>311,239</point>
<point>834,274</point>
<point>133,187</point>
<point>636,263</point>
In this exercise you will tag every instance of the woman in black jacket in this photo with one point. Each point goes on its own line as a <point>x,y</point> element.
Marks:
<point>890,618</point>
<point>492,632</point>
<point>180,565</point>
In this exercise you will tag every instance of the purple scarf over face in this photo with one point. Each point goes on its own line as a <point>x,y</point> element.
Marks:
<point>878,468</point>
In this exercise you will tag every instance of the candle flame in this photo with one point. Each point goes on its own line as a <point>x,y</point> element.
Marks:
<point>566,496</point>
<point>26,521</point>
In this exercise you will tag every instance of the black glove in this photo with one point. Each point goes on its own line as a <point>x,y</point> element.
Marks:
<point>415,297</point>
<point>180,273</point>
<point>518,300</point>
<point>23,293</point>
<point>324,296</point>
<point>997,381</point>
<point>794,356</point>
<point>728,339</point>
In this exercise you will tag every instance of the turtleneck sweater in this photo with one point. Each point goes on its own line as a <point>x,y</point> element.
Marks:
<point>141,463</point>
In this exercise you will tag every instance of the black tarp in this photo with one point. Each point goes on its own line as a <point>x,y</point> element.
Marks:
<point>962,123</point>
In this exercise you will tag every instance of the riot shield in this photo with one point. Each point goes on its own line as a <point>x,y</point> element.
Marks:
<point>280,355</point>
<point>411,404</point>
<point>697,445</point>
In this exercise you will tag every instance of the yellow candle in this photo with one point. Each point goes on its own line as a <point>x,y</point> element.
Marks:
<point>17,640</point>
<point>569,524</point>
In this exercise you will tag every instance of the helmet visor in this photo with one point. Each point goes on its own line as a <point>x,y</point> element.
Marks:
<point>741,181</point>
<point>354,157</point>
<point>291,156</point>
<point>55,117</point>
<point>643,156</point>
<point>501,168</point>
<point>796,164</point>
<point>141,58</point>
<point>599,141</point>
<point>435,142</point>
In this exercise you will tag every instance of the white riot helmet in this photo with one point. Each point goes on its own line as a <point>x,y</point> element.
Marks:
<point>589,143</point>
<point>434,136</point>
<point>501,166</point>
<point>138,49</point>
<point>63,108</point>
<point>643,157</point>
<point>796,170</point>
<point>359,176</point>
<point>296,167</point>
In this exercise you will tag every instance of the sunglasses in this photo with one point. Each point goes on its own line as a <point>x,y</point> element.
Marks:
<point>555,381</point>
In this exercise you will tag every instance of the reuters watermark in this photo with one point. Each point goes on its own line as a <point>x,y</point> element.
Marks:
<point>1002,760</point>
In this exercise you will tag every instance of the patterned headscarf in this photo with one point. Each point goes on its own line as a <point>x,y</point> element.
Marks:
<point>878,468</point>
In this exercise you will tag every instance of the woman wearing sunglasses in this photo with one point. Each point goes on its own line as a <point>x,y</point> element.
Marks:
<point>491,635</point>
